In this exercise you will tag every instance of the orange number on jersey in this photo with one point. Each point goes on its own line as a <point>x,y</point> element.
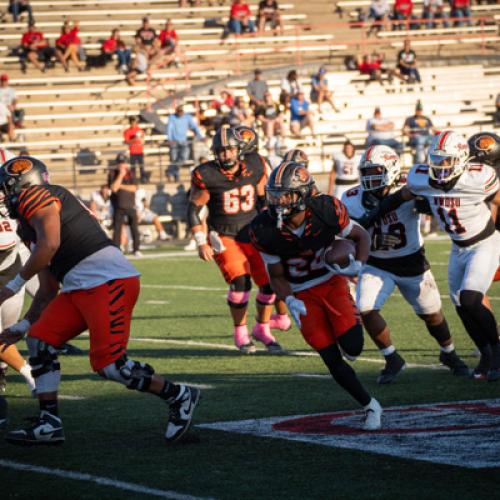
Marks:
<point>239,199</point>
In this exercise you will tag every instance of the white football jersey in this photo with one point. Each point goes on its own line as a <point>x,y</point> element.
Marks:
<point>460,211</point>
<point>403,223</point>
<point>9,243</point>
<point>346,169</point>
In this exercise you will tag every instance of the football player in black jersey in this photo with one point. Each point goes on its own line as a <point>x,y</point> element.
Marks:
<point>292,236</point>
<point>232,187</point>
<point>99,291</point>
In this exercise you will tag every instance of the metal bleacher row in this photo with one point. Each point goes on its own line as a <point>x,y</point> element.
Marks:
<point>66,112</point>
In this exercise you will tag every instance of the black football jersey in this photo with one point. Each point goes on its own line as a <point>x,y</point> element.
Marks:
<point>302,255</point>
<point>81,233</point>
<point>233,197</point>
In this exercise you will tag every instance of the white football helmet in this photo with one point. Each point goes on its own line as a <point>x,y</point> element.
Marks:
<point>448,155</point>
<point>385,165</point>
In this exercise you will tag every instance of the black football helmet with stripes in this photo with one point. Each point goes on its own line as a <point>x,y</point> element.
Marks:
<point>288,188</point>
<point>226,137</point>
<point>485,147</point>
<point>298,156</point>
<point>18,173</point>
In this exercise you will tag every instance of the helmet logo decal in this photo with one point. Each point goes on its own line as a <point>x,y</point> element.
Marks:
<point>302,174</point>
<point>20,166</point>
<point>485,143</point>
<point>246,135</point>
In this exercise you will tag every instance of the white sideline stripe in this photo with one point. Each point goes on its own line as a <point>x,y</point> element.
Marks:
<point>103,481</point>
<point>157,302</point>
<point>229,347</point>
<point>70,398</point>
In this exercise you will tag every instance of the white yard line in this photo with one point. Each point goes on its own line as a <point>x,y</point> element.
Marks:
<point>100,480</point>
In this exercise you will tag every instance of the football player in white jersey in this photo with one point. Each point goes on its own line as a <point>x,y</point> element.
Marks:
<point>460,194</point>
<point>397,259</point>
<point>344,174</point>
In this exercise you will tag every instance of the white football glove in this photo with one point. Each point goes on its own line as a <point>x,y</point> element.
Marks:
<point>296,308</point>
<point>216,242</point>
<point>353,269</point>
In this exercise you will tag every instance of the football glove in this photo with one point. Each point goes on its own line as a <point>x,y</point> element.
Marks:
<point>352,269</point>
<point>385,241</point>
<point>296,308</point>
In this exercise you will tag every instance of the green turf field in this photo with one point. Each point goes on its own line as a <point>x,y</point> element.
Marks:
<point>118,434</point>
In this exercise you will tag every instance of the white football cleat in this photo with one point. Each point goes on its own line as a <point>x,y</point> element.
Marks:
<point>373,416</point>
<point>181,412</point>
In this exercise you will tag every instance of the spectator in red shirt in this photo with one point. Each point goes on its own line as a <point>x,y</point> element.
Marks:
<point>169,43</point>
<point>67,46</point>
<point>371,64</point>
<point>461,9</point>
<point>240,18</point>
<point>35,48</point>
<point>115,45</point>
<point>134,138</point>
<point>403,10</point>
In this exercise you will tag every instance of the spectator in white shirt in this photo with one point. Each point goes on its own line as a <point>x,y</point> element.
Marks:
<point>6,122</point>
<point>8,97</point>
<point>381,131</point>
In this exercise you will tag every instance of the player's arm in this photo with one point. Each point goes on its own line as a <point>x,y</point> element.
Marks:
<point>198,198</point>
<point>361,239</point>
<point>331,180</point>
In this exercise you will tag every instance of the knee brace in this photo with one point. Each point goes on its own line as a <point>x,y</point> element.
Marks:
<point>239,292</point>
<point>351,341</point>
<point>265,295</point>
<point>132,374</point>
<point>45,367</point>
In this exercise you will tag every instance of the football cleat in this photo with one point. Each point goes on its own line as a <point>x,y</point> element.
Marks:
<point>280,322</point>
<point>46,430</point>
<point>262,333</point>
<point>242,340</point>
<point>373,416</point>
<point>480,372</point>
<point>181,412</point>
<point>394,365</point>
<point>454,363</point>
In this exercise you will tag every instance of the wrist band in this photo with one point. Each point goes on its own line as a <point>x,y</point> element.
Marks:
<point>16,284</point>
<point>200,237</point>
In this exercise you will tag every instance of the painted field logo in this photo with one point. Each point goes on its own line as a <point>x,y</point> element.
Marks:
<point>464,433</point>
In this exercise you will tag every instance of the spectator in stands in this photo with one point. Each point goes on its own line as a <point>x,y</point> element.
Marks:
<point>146,35</point>
<point>406,68</point>
<point>179,123</point>
<point>240,18</point>
<point>225,100</point>
<point>6,123</point>
<point>320,91</point>
<point>381,131</point>
<point>402,11</point>
<point>256,89</point>
<point>67,46</point>
<point>290,87</point>
<point>169,43</point>
<point>146,216</point>
<point>379,12</point>
<point>434,9</point>
<point>17,7</point>
<point>8,97</point>
<point>371,65</point>
<point>100,205</point>
<point>114,45</point>
<point>420,130</point>
<point>300,116</point>
<point>270,118</point>
<point>496,116</point>
<point>35,49</point>
<point>134,138</point>
<point>123,187</point>
<point>345,173</point>
<point>461,10</point>
<point>269,13</point>
<point>240,114</point>
<point>140,64</point>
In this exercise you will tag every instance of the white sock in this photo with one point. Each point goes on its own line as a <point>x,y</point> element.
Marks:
<point>388,350</point>
<point>25,371</point>
<point>448,348</point>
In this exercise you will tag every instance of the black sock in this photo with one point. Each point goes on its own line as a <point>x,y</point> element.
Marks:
<point>343,374</point>
<point>485,318</point>
<point>170,391</point>
<point>440,332</point>
<point>49,406</point>
<point>473,329</point>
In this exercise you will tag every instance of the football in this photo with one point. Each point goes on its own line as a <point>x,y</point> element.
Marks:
<point>339,251</point>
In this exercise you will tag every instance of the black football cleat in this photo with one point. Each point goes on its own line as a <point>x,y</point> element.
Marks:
<point>454,363</point>
<point>394,365</point>
<point>47,430</point>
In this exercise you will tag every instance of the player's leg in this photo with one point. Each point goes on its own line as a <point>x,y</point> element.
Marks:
<point>107,310</point>
<point>59,322</point>
<point>324,307</point>
<point>374,288</point>
<point>422,293</point>
<point>264,300</point>
<point>236,271</point>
